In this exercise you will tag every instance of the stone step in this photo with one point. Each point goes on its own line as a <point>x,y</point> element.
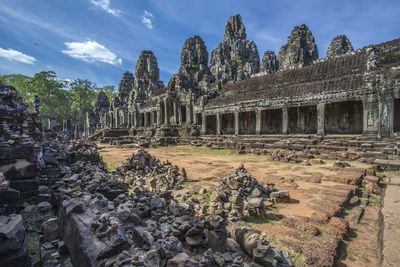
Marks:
<point>392,165</point>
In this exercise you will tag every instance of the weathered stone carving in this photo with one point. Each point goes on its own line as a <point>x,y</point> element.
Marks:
<point>269,63</point>
<point>147,74</point>
<point>340,45</point>
<point>300,49</point>
<point>193,73</point>
<point>102,103</point>
<point>126,86</point>
<point>235,58</point>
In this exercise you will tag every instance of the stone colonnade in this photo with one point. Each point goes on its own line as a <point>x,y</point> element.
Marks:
<point>345,117</point>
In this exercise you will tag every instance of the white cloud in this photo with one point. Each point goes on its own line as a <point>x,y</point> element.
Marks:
<point>91,51</point>
<point>16,56</point>
<point>106,6</point>
<point>147,19</point>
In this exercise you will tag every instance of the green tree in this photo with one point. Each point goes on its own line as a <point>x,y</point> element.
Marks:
<point>21,84</point>
<point>83,96</point>
<point>54,100</point>
<point>109,90</point>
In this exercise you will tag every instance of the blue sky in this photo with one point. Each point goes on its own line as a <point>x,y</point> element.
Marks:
<point>100,39</point>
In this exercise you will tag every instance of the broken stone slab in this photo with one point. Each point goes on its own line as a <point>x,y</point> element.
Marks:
<point>179,260</point>
<point>355,215</point>
<point>12,236</point>
<point>50,229</point>
<point>20,258</point>
<point>83,245</point>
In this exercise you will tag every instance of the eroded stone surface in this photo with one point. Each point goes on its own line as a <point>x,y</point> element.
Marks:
<point>340,45</point>
<point>300,49</point>
<point>235,58</point>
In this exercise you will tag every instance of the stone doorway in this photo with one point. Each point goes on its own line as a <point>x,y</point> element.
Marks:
<point>271,121</point>
<point>199,119</point>
<point>396,115</point>
<point>142,122</point>
<point>211,124</point>
<point>228,123</point>
<point>302,120</point>
<point>183,114</point>
<point>344,117</point>
<point>247,122</point>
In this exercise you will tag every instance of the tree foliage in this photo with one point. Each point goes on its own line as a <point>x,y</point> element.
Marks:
<point>59,99</point>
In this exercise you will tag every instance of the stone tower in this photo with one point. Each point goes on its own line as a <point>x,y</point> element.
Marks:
<point>340,45</point>
<point>235,58</point>
<point>194,73</point>
<point>300,49</point>
<point>147,74</point>
<point>269,63</point>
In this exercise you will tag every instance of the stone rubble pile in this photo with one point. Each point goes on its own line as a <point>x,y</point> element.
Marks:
<point>13,243</point>
<point>241,195</point>
<point>144,169</point>
<point>292,156</point>
<point>142,229</point>
<point>258,247</point>
<point>20,132</point>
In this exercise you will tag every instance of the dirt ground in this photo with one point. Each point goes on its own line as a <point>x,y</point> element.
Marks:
<point>312,199</point>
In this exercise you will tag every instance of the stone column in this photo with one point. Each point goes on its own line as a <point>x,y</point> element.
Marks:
<point>321,118</point>
<point>203,123</point>
<point>189,114</point>
<point>151,114</point>
<point>194,118</point>
<point>159,116</point>
<point>370,116</point>
<point>285,120</point>
<point>258,121</point>
<point>129,121</point>
<point>236,122</point>
<point>175,112</point>
<point>218,124</point>
<point>166,112</point>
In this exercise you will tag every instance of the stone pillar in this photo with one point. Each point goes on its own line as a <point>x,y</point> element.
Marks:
<point>218,124</point>
<point>166,113</point>
<point>159,116</point>
<point>151,118</point>
<point>321,118</point>
<point>236,122</point>
<point>175,117</point>
<point>129,121</point>
<point>189,114</point>
<point>258,121</point>
<point>370,116</point>
<point>194,118</point>
<point>285,120</point>
<point>203,123</point>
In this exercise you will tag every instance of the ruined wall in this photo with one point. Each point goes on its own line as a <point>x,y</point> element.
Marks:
<point>228,123</point>
<point>271,121</point>
<point>247,122</point>
<point>344,118</point>
<point>302,120</point>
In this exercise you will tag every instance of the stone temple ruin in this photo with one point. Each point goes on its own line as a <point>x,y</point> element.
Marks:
<point>59,190</point>
<point>295,92</point>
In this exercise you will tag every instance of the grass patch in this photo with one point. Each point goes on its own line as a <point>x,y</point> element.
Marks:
<point>266,219</point>
<point>33,245</point>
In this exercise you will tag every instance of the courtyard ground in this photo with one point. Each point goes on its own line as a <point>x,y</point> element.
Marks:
<point>301,226</point>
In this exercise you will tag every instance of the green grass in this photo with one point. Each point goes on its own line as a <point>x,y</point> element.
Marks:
<point>33,246</point>
<point>266,219</point>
